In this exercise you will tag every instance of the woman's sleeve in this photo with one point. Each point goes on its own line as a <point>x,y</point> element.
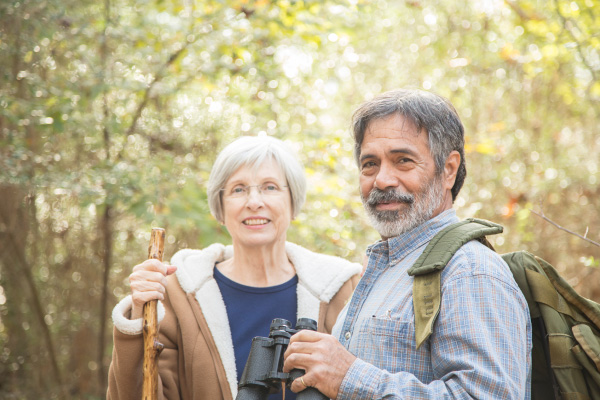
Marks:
<point>339,300</point>
<point>125,376</point>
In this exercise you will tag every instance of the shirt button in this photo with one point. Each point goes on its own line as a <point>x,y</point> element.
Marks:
<point>347,335</point>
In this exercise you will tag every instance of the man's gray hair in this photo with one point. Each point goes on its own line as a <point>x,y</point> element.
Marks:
<point>252,151</point>
<point>427,111</point>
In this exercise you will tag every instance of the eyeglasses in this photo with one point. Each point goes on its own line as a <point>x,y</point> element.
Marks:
<point>243,191</point>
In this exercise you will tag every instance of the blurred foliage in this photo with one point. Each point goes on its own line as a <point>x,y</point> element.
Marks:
<point>112,112</point>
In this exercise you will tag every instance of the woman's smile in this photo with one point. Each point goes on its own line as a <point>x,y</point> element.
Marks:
<point>254,221</point>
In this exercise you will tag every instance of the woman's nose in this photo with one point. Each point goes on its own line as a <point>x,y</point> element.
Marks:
<point>255,198</point>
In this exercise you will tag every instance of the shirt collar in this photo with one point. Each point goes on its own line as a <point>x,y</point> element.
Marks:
<point>399,246</point>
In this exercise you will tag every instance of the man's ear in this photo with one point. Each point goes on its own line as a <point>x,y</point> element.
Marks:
<point>451,169</point>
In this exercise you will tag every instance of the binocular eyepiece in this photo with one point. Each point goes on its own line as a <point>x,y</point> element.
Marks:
<point>263,372</point>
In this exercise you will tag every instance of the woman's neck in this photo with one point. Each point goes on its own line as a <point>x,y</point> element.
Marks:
<point>259,266</point>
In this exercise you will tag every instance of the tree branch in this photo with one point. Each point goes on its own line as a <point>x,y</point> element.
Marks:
<point>520,12</point>
<point>161,73</point>
<point>564,229</point>
<point>566,27</point>
<point>159,76</point>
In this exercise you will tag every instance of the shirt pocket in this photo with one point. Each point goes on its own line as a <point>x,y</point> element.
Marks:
<point>386,343</point>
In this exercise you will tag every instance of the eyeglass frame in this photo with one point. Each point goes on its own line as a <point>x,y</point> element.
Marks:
<point>246,190</point>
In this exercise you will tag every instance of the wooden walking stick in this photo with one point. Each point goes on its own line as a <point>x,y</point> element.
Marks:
<point>152,347</point>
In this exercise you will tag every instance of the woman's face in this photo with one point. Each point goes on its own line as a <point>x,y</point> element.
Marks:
<point>257,205</point>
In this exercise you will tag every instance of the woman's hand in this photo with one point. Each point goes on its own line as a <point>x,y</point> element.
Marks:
<point>148,281</point>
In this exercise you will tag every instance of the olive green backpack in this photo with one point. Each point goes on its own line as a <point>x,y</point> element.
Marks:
<point>566,326</point>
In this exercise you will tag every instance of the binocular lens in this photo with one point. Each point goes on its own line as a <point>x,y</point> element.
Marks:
<point>306,323</point>
<point>280,324</point>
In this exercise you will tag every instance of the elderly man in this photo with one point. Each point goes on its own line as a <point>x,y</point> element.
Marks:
<point>409,146</point>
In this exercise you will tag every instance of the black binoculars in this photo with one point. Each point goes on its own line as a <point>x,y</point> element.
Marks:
<point>263,372</point>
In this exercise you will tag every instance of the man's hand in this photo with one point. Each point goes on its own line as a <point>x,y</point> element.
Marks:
<point>323,358</point>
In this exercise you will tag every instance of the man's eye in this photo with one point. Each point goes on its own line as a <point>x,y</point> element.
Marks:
<point>368,164</point>
<point>405,160</point>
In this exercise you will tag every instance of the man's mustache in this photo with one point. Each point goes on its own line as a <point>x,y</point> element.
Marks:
<point>390,195</point>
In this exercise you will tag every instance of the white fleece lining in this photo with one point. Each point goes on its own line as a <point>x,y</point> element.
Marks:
<point>195,275</point>
<point>319,278</point>
<point>132,326</point>
<point>213,307</point>
<point>308,305</point>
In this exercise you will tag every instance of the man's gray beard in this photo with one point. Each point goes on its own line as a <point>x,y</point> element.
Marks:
<point>419,208</point>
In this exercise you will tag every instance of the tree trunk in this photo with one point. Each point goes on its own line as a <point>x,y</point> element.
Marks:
<point>107,261</point>
<point>106,224</point>
<point>13,216</point>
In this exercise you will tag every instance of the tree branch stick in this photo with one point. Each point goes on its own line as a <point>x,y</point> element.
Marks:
<point>564,229</point>
<point>152,347</point>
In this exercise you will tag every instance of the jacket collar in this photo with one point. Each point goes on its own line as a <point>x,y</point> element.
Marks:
<point>321,274</point>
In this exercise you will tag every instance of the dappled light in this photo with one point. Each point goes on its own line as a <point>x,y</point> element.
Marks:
<point>112,113</point>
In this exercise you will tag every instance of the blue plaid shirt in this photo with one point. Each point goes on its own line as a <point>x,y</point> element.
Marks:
<point>481,342</point>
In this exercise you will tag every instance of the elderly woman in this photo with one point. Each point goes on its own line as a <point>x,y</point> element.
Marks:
<point>212,302</point>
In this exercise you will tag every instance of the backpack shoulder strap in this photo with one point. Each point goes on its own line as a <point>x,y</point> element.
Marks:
<point>428,267</point>
<point>442,247</point>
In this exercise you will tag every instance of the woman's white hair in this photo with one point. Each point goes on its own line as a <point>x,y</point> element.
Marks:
<point>252,151</point>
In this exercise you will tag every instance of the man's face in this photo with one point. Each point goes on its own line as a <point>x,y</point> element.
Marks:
<point>398,183</point>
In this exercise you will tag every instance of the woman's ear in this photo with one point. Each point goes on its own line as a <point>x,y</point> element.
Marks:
<point>451,169</point>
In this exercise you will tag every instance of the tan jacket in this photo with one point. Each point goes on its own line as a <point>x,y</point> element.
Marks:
<point>198,360</point>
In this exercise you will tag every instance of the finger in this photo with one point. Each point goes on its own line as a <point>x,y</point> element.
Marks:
<point>142,277</point>
<point>309,342</point>
<point>141,298</point>
<point>299,347</point>
<point>304,361</point>
<point>140,286</point>
<point>307,336</point>
<point>147,276</point>
<point>152,265</point>
<point>297,385</point>
<point>171,269</point>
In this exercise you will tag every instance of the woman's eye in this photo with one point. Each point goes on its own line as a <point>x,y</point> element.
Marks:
<point>270,187</point>
<point>238,189</point>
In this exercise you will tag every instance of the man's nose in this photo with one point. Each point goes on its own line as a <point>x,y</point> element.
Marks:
<point>387,176</point>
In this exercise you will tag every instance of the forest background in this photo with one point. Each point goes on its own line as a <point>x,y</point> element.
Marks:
<point>112,112</point>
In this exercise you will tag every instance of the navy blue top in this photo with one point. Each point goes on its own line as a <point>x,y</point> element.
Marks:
<point>250,311</point>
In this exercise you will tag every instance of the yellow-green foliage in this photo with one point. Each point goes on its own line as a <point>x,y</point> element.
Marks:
<point>112,113</point>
